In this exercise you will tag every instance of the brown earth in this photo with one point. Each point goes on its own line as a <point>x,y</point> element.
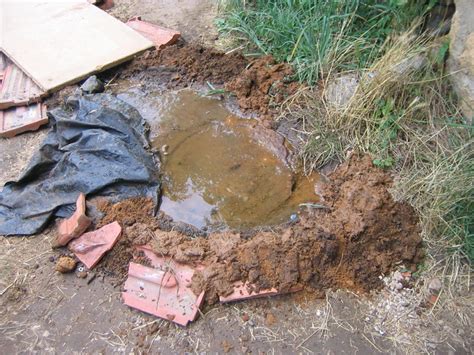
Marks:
<point>130,213</point>
<point>127,212</point>
<point>135,215</point>
<point>259,85</point>
<point>190,63</point>
<point>263,85</point>
<point>361,234</point>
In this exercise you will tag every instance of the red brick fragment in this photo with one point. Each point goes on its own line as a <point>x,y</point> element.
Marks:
<point>74,226</point>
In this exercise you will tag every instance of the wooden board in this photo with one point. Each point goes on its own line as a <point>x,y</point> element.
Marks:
<point>61,42</point>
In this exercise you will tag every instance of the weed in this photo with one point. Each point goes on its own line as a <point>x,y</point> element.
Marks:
<point>317,36</point>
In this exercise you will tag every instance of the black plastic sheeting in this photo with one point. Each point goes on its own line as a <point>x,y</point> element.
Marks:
<point>98,146</point>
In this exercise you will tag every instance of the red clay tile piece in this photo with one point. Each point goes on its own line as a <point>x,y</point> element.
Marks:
<point>242,291</point>
<point>90,247</point>
<point>16,120</point>
<point>164,290</point>
<point>74,226</point>
<point>160,36</point>
<point>16,88</point>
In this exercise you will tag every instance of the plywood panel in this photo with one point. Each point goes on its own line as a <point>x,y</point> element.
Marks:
<point>59,42</point>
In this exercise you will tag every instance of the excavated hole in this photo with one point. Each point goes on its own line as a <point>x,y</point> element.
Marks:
<point>219,169</point>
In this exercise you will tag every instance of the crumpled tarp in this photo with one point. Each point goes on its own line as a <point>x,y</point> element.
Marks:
<point>96,146</point>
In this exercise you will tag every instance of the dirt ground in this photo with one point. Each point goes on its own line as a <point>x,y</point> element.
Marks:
<point>44,311</point>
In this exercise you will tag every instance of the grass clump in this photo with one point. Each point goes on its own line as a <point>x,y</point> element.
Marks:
<point>316,36</point>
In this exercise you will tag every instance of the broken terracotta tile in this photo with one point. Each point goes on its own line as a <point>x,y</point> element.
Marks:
<point>90,247</point>
<point>74,226</point>
<point>164,290</point>
<point>16,88</point>
<point>242,291</point>
<point>16,120</point>
<point>160,36</point>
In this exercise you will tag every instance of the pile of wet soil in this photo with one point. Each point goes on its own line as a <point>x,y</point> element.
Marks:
<point>127,213</point>
<point>190,63</point>
<point>135,215</point>
<point>263,85</point>
<point>259,85</point>
<point>361,233</point>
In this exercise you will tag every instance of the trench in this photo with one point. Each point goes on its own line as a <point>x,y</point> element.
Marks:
<point>219,169</point>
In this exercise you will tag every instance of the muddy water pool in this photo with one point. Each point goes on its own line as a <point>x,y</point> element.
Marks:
<point>217,168</point>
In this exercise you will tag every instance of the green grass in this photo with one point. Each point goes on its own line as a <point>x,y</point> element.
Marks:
<point>318,36</point>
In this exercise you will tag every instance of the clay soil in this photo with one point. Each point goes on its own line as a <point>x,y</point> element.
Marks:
<point>361,234</point>
<point>259,85</point>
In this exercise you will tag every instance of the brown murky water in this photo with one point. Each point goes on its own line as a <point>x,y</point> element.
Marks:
<point>219,168</point>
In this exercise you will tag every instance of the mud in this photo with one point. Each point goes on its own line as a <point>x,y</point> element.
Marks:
<point>189,63</point>
<point>361,234</point>
<point>260,85</point>
<point>131,214</point>
<point>263,85</point>
<point>136,217</point>
<point>216,166</point>
<point>127,212</point>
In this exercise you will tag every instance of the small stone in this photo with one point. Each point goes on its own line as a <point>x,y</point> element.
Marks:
<point>51,258</point>
<point>397,275</point>
<point>245,317</point>
<point>432,299</point>
<point>406,275</point>
<point>65,264</point>
<point>341,89</point>
<point>435,286</point>
<point>92,85</point>
<point>82,274</point>
<point>226,346</point>
<point>270,319</point>
<point>412,64</point>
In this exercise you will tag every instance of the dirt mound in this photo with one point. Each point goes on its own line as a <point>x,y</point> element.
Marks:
<point>191,63</point>
<point>263,85</point>
<point>127,212</point>
<point>374,231</point>
<point>361,234</point>
<point>259,86</point>
<point>135,215</point>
